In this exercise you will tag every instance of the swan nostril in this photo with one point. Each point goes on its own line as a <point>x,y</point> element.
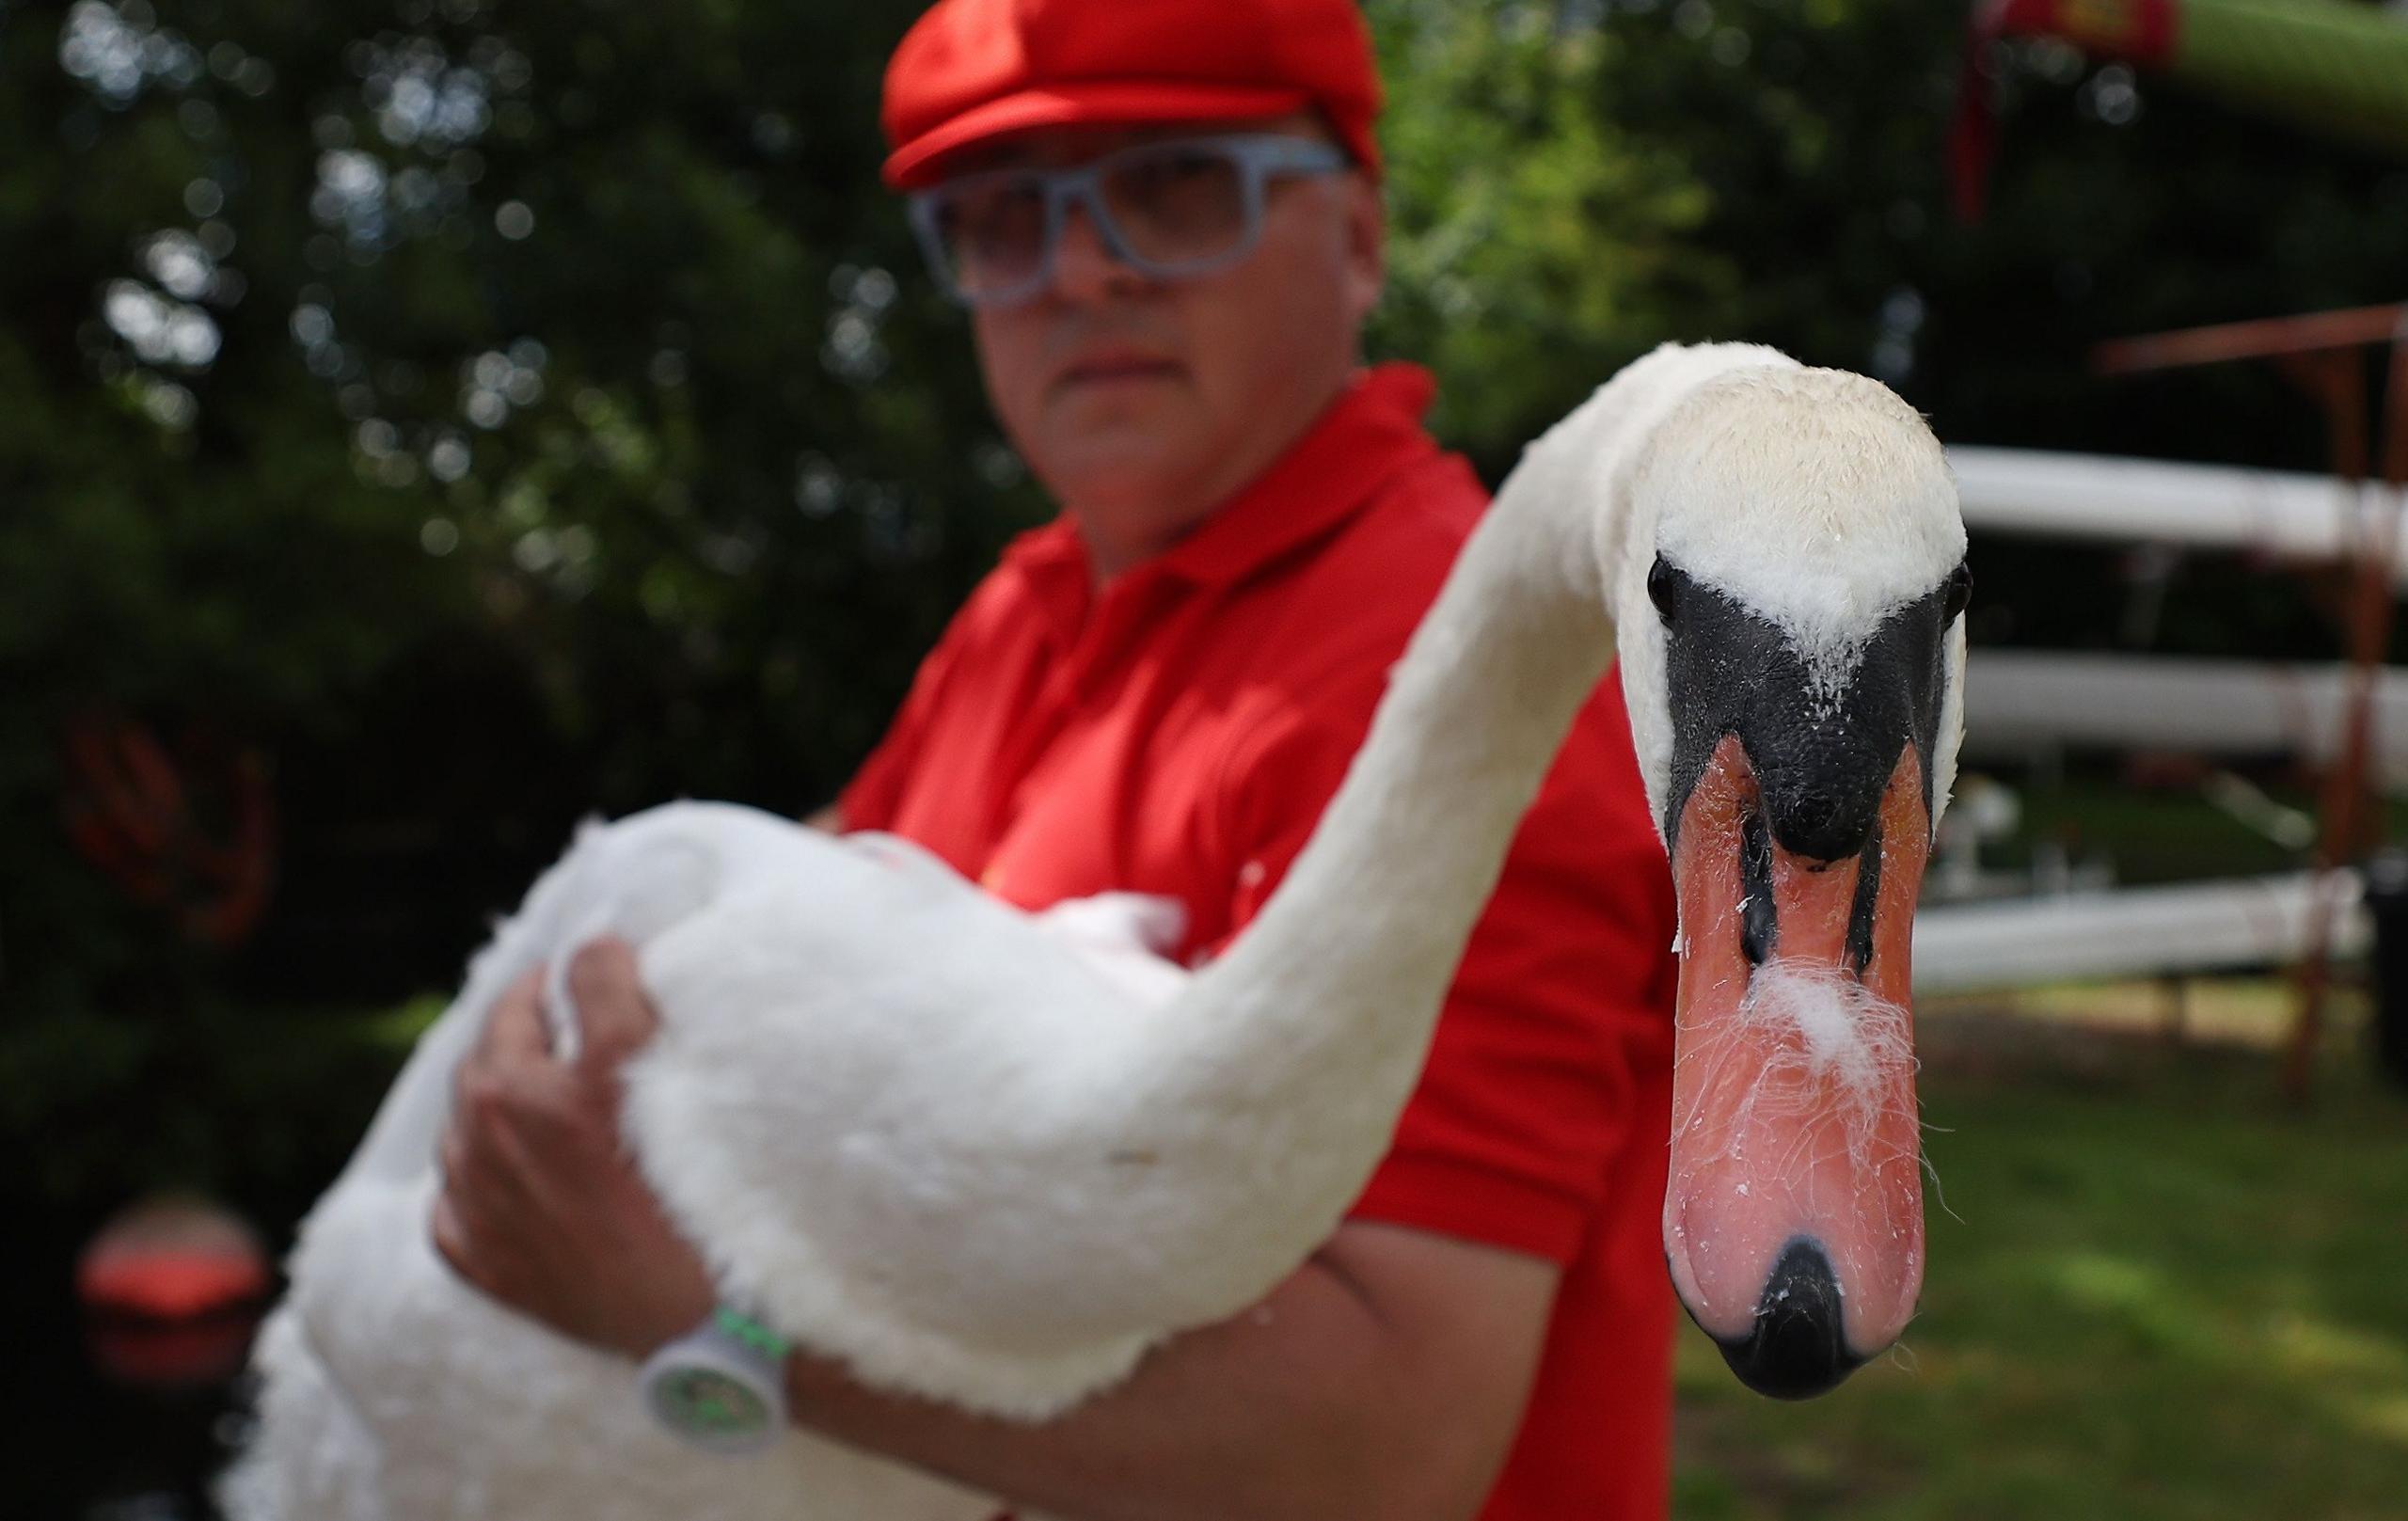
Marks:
<point>1798,1348</point>
<point>1759,918</point>
<point>1862,906</point>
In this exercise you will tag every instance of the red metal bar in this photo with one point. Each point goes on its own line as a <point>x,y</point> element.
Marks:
<point>2266,338</point>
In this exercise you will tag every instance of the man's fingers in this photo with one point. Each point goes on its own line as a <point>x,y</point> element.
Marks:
<point>450,1241</point>
<point>514,1029</point>
<point>453,1155</point>
<point>466,1252</point>
<point>613,1014</point>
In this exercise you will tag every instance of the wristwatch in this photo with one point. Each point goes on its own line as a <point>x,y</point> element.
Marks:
<point>720,1385</point>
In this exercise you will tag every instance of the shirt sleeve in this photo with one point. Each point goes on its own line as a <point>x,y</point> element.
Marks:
<point>1563,1002</point>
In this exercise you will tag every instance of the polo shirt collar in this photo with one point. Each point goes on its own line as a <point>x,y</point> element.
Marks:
<point>1326,477</point>
<point>1331,473</point>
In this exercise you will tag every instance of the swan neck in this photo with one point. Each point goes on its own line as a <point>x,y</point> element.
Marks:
<point>1366,928</point>
<point>1302,1043</point>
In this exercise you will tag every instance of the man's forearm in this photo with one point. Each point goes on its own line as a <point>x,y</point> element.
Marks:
<point>1223,1422</point>
<point>1313,1404</point>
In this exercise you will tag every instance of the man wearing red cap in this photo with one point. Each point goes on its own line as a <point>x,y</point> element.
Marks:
<point>1165,219</point>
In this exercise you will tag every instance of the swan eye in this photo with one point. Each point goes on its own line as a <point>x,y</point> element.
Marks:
<point>1961,591</point>
<point>1660,589</point>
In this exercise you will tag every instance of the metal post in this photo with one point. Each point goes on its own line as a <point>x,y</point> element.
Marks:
<point>2337,380</point>
<point>2321,352</point>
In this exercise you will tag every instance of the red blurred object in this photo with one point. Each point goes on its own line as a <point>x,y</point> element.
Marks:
<point>2268,338</point>
<point>2124,31</point>
<point>129,812</point>
<point>171,1289</point>
<point>973,71</point>
<point>182,1355</point>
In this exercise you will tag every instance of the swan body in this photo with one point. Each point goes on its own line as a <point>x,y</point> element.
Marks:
<point>991,1158</point>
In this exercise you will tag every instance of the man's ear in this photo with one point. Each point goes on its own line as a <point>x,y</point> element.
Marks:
<point>1367,237</point>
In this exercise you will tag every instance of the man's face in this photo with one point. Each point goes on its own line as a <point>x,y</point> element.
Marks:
<point>1128,394</point>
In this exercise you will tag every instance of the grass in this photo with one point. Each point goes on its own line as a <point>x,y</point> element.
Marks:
<point>2154,1294</point>
<point>2150,836</point>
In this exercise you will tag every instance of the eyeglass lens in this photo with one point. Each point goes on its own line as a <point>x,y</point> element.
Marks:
<point>1181,205</point>
<point>993,235</point>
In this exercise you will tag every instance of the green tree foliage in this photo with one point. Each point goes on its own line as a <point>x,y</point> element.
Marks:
<point>1579,179</point>
<point>1521,206</point>
<point>493,418</point>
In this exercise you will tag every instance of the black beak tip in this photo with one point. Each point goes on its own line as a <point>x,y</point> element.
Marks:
<point>1798,1348</point>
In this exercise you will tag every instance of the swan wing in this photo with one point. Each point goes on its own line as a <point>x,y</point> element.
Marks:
<point>1126,939</point>
<point>907,1122</point>
<point>910,1122</point>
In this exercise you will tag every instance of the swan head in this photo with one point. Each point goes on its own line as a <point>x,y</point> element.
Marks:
<point>1791,586</point>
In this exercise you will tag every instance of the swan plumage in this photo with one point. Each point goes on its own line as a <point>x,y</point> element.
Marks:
<point>984,1156</point>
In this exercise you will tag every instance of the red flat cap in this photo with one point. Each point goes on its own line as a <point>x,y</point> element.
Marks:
<point>973,71</point>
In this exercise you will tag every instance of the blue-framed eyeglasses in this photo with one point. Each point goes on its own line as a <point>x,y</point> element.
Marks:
<point>1169,209</point>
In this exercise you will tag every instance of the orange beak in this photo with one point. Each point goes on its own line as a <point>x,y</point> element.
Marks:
<point>1792,1222</point>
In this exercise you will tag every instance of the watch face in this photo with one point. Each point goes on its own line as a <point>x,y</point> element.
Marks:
<point>708,1403</point>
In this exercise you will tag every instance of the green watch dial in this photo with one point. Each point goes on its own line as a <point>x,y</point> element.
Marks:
<point>707,1402</point>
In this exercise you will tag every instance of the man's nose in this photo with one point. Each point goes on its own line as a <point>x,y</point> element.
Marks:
<point>1084,266</point>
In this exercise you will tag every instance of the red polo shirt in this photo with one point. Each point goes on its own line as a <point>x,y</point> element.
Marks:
<point>1179,730</point>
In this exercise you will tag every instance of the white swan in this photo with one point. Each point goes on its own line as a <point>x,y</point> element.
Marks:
<point>991,1164</point>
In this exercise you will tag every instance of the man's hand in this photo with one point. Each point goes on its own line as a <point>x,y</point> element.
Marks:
<point>542,1206</point>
